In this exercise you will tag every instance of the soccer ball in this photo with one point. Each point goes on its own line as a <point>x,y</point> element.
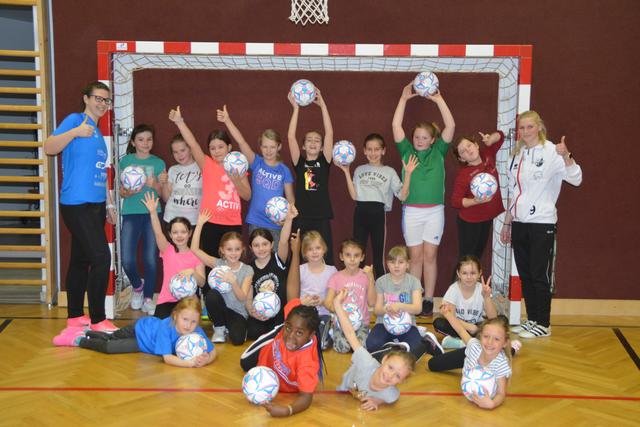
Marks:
<point>216,279</point>
<point>354,315</point>
<point>344,153</point>
<point>266,304</point>
<point>276,209</point>
<point>235,163</point>
<point>426,83</point>
<point>182,286</point>
<point>260,385</point>
<point>190,346</point>
<point>478,381</point>
<point>133,178</point>
<point>304,92</point>
<point>397,325</point>
<point>483,186</point>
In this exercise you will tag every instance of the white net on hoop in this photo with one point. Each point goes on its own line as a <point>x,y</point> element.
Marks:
<point>309,11</point>
<point>507,68</point>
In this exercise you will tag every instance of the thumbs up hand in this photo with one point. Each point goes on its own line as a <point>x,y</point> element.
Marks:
<point>84,130</point>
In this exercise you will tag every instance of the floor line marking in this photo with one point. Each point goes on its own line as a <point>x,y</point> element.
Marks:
<point>625,344</point>
<point>233,390</point>
<point>5,324</point>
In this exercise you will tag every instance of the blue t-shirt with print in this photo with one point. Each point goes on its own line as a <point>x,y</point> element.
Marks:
<point>266,182</point>
<point>159,336</point>
<point>84,173</point>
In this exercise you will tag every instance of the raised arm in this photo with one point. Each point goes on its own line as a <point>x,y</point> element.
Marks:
<point>371,288</point>
<point>294,148</point>
<point>347,177</point>
<point>243,187</point>
<point>151,203</point>
<point>488,139</point>
<point>345,323</point>
<point>224,117</point>
<point>447,117</point>
<point>398,115</point>
<point>487,304</point>
<point>207,259</point>
<point>56,143</point>
<point>408,167</point>
<point>285,233</point>
<point>573,171</point>
<point>176,117</point>
<point>293,277</point>
<point>327,146</point>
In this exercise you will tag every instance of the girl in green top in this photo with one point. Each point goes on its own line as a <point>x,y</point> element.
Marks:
<point>423,210</point>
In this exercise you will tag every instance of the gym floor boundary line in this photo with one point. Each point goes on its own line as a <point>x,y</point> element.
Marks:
<point>5,324</point>
<point>625,344</point>
<point>327,392</point>
<point>555,325</point>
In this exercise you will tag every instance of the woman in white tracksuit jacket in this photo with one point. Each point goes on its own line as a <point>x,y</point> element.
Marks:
<point>536,172</point>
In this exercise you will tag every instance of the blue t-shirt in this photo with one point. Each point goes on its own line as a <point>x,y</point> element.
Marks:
<point>159,336</point>
<point>84,174</point>
<point>266,182</point>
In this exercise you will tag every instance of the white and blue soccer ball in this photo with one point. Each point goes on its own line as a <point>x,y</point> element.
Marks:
<point>483,186</point>
<point>426,83</point>
<point>397,325</point>
<point>133,178</point>
<point>260,385</point>
<point>354,314</point>
<point>479,381</point>
<point>266,304</point>
<point>216,279</point>
<point>182,286</point>
<point>190,346</point>
<point>344,153</point>
<point>276,209</point>
<point>304,92</point>
<point>235,163</point>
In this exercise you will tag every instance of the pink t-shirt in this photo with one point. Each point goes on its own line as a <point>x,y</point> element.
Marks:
<point>219,194</point>
<point>357,287</point>
<point>173,263</point>
<point>316,283</point>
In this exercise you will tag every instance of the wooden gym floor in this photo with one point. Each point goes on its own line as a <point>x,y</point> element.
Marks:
<point>586,374</point>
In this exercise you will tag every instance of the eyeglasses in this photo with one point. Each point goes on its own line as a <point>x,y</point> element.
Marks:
<point>100,99</point>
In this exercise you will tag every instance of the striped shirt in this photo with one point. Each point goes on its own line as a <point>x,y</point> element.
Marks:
<point>499,366</point>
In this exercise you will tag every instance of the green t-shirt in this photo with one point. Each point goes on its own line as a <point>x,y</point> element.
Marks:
<point>133,204</point>
<point>427,180</point>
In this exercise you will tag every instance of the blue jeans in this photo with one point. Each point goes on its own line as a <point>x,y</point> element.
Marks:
<point>136,228</point>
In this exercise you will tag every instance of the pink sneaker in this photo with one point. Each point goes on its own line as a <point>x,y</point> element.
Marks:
<point>69,337</point>
<point>75,322</point>
<point>104,326</point>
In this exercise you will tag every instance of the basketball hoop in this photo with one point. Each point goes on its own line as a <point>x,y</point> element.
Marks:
<point>312,11</point>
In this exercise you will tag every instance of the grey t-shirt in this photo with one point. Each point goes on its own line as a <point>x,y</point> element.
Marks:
<point>401,292</point>
<point>377,184</point>
<point>359,374</point>
<point>230,298</point>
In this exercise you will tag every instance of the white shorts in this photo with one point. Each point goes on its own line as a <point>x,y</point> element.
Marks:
<point>422,224</point>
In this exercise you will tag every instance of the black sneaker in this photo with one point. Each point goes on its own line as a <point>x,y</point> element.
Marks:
<point>427,308</point>
<point>433,346</point>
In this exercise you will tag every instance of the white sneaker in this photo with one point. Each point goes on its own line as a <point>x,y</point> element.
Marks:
<point>137,299</point>
<point>148,306</point>
<point>422,330</point>
<point>536,331</point>
<point>449,342</point>
<point>219,334</point>
<point>516,345</point>
<point>524,326</point>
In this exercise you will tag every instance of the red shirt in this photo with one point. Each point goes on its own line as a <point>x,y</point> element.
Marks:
<point>219,194</point>
<point>297,370</point>
<point>462,190</point>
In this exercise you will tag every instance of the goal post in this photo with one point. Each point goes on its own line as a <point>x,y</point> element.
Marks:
<point>118,59</point>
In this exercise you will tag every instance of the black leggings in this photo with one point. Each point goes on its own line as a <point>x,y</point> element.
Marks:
<point>533,250</point>
<point>369,219</point>
<point>451,360</point>
<point>121,341</point>
<point>221,315</point>
<point>472,239</point>
<point>256,327</point>
<point>90,259</point>
<point>442,325</point>
<point>164,310</point>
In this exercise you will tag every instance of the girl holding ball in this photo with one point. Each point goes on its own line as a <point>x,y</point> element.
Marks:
<point>423,210</point>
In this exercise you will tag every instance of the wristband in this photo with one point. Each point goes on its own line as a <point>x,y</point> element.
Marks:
<point>110,206</point>
<point>290,409</point>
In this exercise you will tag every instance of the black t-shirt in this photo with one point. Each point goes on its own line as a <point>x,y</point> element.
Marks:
<point>275,271</point>
<point>312,188</point>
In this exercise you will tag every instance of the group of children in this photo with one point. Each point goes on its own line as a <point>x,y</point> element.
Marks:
<point>203,226</point>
